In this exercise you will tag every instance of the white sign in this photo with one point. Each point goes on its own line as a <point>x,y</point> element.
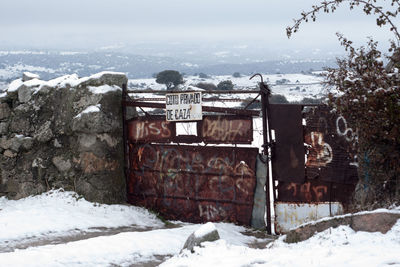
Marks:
<point>183,106</point>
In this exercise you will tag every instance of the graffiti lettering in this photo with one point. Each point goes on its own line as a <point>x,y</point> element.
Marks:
<point>308,192</point>
<point>211,212</point>
<point>343,131</point>
<point>223,129</point>
<point>141,130</point>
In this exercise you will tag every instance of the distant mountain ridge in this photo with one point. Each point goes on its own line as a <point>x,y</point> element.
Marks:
<point>49,64</point>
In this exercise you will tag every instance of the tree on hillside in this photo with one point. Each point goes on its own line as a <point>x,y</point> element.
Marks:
<point>203,75</point>
<point>171,78</point>
<point>236,75</point>
<point>225,85</point>
<point>206,86</point>
<point>370,98</point>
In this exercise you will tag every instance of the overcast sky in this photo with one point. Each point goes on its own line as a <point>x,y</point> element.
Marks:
<point>86,24</point>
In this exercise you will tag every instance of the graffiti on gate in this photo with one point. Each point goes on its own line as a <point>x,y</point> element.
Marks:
<point>226,129</point>
<point>328,136</point>
<point>308,191</point>
<point>196,178</point>
<point>143,130</point>
<point>320,153</point>
<point>212,129</point>
<point>315,191</point>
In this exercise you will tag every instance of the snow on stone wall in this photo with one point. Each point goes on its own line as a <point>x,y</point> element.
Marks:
<point>63,133</point>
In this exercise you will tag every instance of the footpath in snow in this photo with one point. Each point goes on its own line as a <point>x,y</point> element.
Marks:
<point>60,229</point>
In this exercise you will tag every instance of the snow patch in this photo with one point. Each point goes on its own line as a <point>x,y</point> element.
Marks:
<point>58,212</point>
<point>31,75</point>
<point>205,230</point>
<point>103,89</point>
<point>89,109</point>
<point>14,85</point>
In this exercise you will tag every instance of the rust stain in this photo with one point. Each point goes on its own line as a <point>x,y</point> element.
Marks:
<point>192,183</point>
<point>226,129</point>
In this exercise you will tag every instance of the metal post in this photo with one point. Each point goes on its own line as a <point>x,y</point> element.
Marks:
<point>265,92</point>
<point>125,134</point>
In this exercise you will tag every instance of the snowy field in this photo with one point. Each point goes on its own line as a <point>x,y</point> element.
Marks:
<point>60,229</point>
<point>294,87</point>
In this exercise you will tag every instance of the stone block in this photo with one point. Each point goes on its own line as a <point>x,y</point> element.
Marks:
<point>206,233</point>
<point>44,134</point>
<point>61,164</point>
<point>5,143</point>
<point>24,94</point>
<point>9,154</point>
<point>4,111</point>
<point>4,127</point>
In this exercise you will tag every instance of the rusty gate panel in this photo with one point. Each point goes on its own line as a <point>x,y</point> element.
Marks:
<point>328,144</point>
<point>151,128</point>
<point>226,129</point>
<point>288,157</point>
<point>194,183</point>
<point>315,191</point>
<point>332,154</point>
<point>222,129</point>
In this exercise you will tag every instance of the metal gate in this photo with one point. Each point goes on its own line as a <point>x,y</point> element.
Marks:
<point>206,176</point>
<point>210,175</point>
<point>314,163</point>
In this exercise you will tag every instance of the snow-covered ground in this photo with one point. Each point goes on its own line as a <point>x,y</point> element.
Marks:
<point>60,229</point>
<point>294,87</point>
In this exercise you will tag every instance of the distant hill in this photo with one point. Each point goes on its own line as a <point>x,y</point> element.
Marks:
<point>49,64</point>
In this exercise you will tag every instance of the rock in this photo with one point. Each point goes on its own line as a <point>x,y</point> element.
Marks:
<point>206,233</point>
<point>86,141</point>
<point>24,94</point>
<point>20,125</point>
<point>5,143</point>
<point>61,164</point>
<point>94,122</point>
<point>12,186</point>
<point>4,127</point>
<point>111,142</point>
<point>44,134</point>
<point>109,78</point>
<point>57,144</point>
<point>131,112</point>
<point>16,143</point>
<point>369,222</point>
<point>86,101</point>
<point>27,143</point>
<point>374,222</point>
<point>9,154</point>
<point>90,163</point>
<point>4,111</point>
<point>27,76</point>
<point>45,89</point>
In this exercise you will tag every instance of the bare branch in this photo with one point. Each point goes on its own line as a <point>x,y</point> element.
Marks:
<point>369,7</point>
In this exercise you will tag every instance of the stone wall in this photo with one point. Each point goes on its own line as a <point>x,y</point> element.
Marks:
<point>64,133</point>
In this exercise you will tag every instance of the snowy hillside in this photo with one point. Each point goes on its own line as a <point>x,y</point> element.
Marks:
<point>51,64</point>
<point>294,87</point>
